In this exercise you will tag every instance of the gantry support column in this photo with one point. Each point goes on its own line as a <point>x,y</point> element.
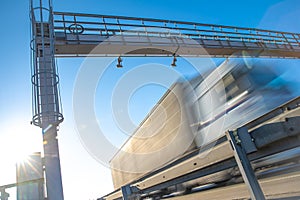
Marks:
<point>46,100</point>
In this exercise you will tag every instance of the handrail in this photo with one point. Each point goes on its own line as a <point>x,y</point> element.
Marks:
<point>121,25</point>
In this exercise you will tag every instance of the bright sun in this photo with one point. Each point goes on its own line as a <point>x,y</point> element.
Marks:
<point>19,143</point>
<point>17,149</point>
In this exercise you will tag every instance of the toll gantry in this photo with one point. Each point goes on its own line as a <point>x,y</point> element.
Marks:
<point>62,34</point>
<point>79,35</point>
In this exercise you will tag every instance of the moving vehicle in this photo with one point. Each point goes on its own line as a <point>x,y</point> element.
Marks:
<point>194,114</point>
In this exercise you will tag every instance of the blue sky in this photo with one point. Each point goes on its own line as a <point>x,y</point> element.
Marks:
<point>82,173</point>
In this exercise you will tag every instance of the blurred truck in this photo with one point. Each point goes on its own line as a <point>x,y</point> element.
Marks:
<point>194,113</point>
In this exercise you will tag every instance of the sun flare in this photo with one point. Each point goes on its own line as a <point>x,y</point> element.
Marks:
<point>18,143</point>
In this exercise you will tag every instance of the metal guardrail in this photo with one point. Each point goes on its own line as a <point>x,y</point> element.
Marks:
<point>4,195</point>
<point>104,25</point>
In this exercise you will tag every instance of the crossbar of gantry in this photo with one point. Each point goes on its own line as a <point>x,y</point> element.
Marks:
<point>102,35</point>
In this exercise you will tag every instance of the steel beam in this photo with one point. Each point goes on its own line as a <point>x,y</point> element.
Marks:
<point>103,35</point>
<point>46,100</point>
<point>244,165</point>
<point>52,165</point>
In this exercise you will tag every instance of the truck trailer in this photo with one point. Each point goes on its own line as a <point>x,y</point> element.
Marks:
<point>185,133</point>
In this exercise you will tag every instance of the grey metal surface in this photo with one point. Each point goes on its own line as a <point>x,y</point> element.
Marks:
<point>246,140</point>
<point>78,34</point>
<point>245,166</point>
<point>279,130</point>
<point>52,165</point>
<point>46,99</point>
<point>126,191</point>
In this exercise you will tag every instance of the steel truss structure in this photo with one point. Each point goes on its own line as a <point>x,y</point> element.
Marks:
<point>78,34</point>
<point>56,34</point>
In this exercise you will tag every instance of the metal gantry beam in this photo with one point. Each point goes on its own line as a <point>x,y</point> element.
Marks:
<point>79,34</point>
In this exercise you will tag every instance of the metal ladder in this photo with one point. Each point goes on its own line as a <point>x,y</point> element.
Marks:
<point>46,99</point>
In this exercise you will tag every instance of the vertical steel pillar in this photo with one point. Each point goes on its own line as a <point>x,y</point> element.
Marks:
<point>46,100</point>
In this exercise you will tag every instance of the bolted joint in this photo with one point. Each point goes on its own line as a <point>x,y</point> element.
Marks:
<point>236,137</point>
